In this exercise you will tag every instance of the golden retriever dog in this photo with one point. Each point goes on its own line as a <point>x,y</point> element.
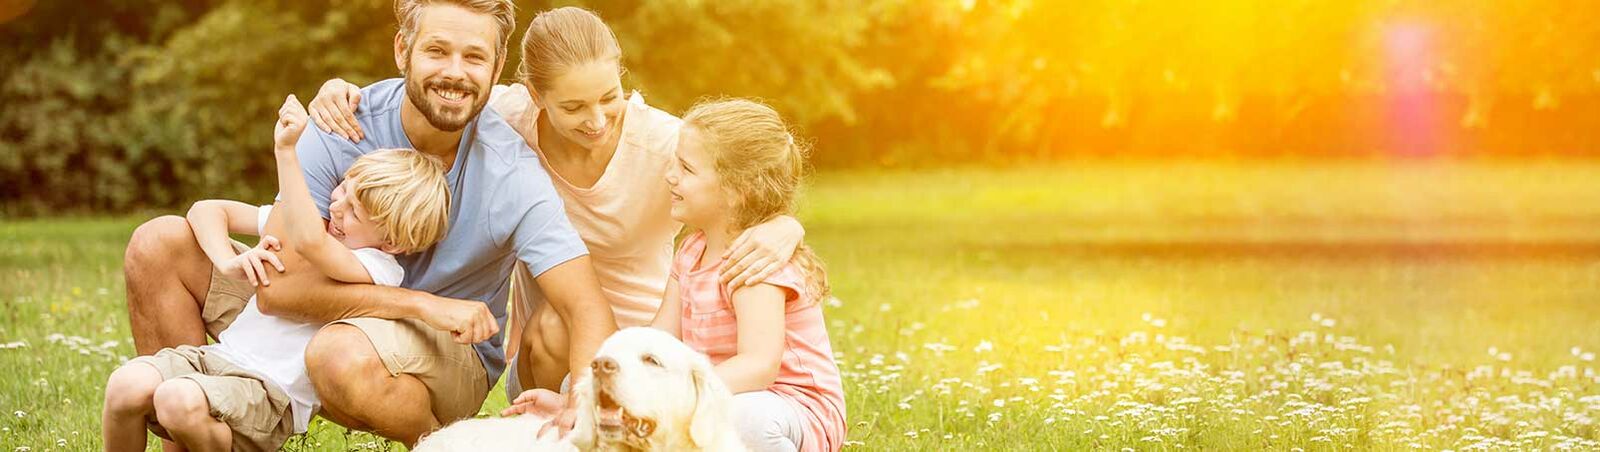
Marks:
<point>649,393</point>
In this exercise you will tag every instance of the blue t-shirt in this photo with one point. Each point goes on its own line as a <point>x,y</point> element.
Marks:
<point>502,206</point>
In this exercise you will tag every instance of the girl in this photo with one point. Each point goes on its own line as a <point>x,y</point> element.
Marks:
<point>608,155</point>
<point>738,166</point>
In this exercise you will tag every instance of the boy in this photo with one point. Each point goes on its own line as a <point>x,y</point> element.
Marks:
<point>249,390</point>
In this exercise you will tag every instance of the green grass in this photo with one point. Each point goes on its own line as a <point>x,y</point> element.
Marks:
<point>1107,305</point>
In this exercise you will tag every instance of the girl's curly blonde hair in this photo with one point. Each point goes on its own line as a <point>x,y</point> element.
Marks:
<point>760,165</point>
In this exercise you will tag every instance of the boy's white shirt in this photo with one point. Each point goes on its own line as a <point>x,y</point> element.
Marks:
<point>275,347</point>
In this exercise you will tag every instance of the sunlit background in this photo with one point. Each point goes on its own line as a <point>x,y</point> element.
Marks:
<point>1223,225</point>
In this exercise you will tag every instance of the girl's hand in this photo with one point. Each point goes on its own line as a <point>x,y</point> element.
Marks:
<point>291,123</point>
<point>334,109</point>
<point>761,251</point>
<point>248,265</point>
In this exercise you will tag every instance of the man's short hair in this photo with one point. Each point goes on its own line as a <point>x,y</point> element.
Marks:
<point>409,12</point>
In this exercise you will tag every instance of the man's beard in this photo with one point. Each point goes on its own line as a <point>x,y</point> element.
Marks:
<point>448,119</point>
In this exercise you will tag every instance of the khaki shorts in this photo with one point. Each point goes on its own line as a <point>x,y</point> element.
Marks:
<point>453,373</point>
<point>226,297</point>
<point>256,411</point>
<point>457,383</point>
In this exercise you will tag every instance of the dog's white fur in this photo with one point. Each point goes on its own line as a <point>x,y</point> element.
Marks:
<point>493,434</point>
<point>649,392</point>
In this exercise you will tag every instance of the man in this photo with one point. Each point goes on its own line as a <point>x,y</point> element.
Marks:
<point>394,361</point>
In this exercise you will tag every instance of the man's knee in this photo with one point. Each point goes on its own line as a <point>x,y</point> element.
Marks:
<point>155,242</point>
<point>340,358</point>
<point>340,361</point>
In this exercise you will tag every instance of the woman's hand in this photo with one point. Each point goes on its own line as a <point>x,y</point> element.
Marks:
<point>539,402</point>
<point>249,264</point>
<point>761,251</point>
<point>559,411</point>
<point>334,109</point>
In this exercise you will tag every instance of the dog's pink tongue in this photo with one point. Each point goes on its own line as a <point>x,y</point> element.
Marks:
<point>611,417</point>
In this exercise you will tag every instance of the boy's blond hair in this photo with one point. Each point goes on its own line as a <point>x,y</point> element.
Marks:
<point>405,193</point>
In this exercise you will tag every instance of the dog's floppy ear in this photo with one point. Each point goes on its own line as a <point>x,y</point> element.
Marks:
<point>711,403</point>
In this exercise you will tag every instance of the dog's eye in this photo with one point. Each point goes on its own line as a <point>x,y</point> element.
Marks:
<point>651,360</point>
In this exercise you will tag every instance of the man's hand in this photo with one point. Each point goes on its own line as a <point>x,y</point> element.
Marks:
<point>469,322</point>
<point>291,123</point>
<point>249,264</point>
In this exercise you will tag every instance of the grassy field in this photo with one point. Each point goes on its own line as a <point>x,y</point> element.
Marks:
<point>1150,306</point>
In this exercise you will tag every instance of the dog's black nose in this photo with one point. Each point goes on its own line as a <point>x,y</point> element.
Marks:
<point>604,366</point>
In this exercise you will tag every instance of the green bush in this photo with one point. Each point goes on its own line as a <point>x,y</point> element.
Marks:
<point>155,104</point>
<point>100,115</point>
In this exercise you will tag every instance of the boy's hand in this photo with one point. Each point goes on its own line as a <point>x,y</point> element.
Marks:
<point>248,265</point>
<point>291,123</point>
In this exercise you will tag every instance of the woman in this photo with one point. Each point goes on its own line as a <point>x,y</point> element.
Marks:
<point>608,156</point>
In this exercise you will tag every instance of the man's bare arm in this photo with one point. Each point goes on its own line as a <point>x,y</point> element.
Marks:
<point>305,294</point>
<point>302,293</point>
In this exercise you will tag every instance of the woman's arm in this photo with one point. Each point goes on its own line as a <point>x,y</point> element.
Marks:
<point>670,315</point>
<point>755,365</point>
<point>302,222</point>
<point>761,251</point>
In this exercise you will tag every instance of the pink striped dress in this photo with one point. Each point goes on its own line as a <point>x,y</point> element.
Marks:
<point>807,378</point>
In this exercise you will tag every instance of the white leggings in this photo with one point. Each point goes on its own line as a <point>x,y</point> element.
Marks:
<point>766,422</point>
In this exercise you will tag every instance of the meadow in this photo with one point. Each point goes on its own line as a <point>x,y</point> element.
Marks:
<point>1207,305</point>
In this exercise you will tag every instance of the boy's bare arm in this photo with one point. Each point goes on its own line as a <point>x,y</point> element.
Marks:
<point>304,225</point>
<point>213,219</point>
